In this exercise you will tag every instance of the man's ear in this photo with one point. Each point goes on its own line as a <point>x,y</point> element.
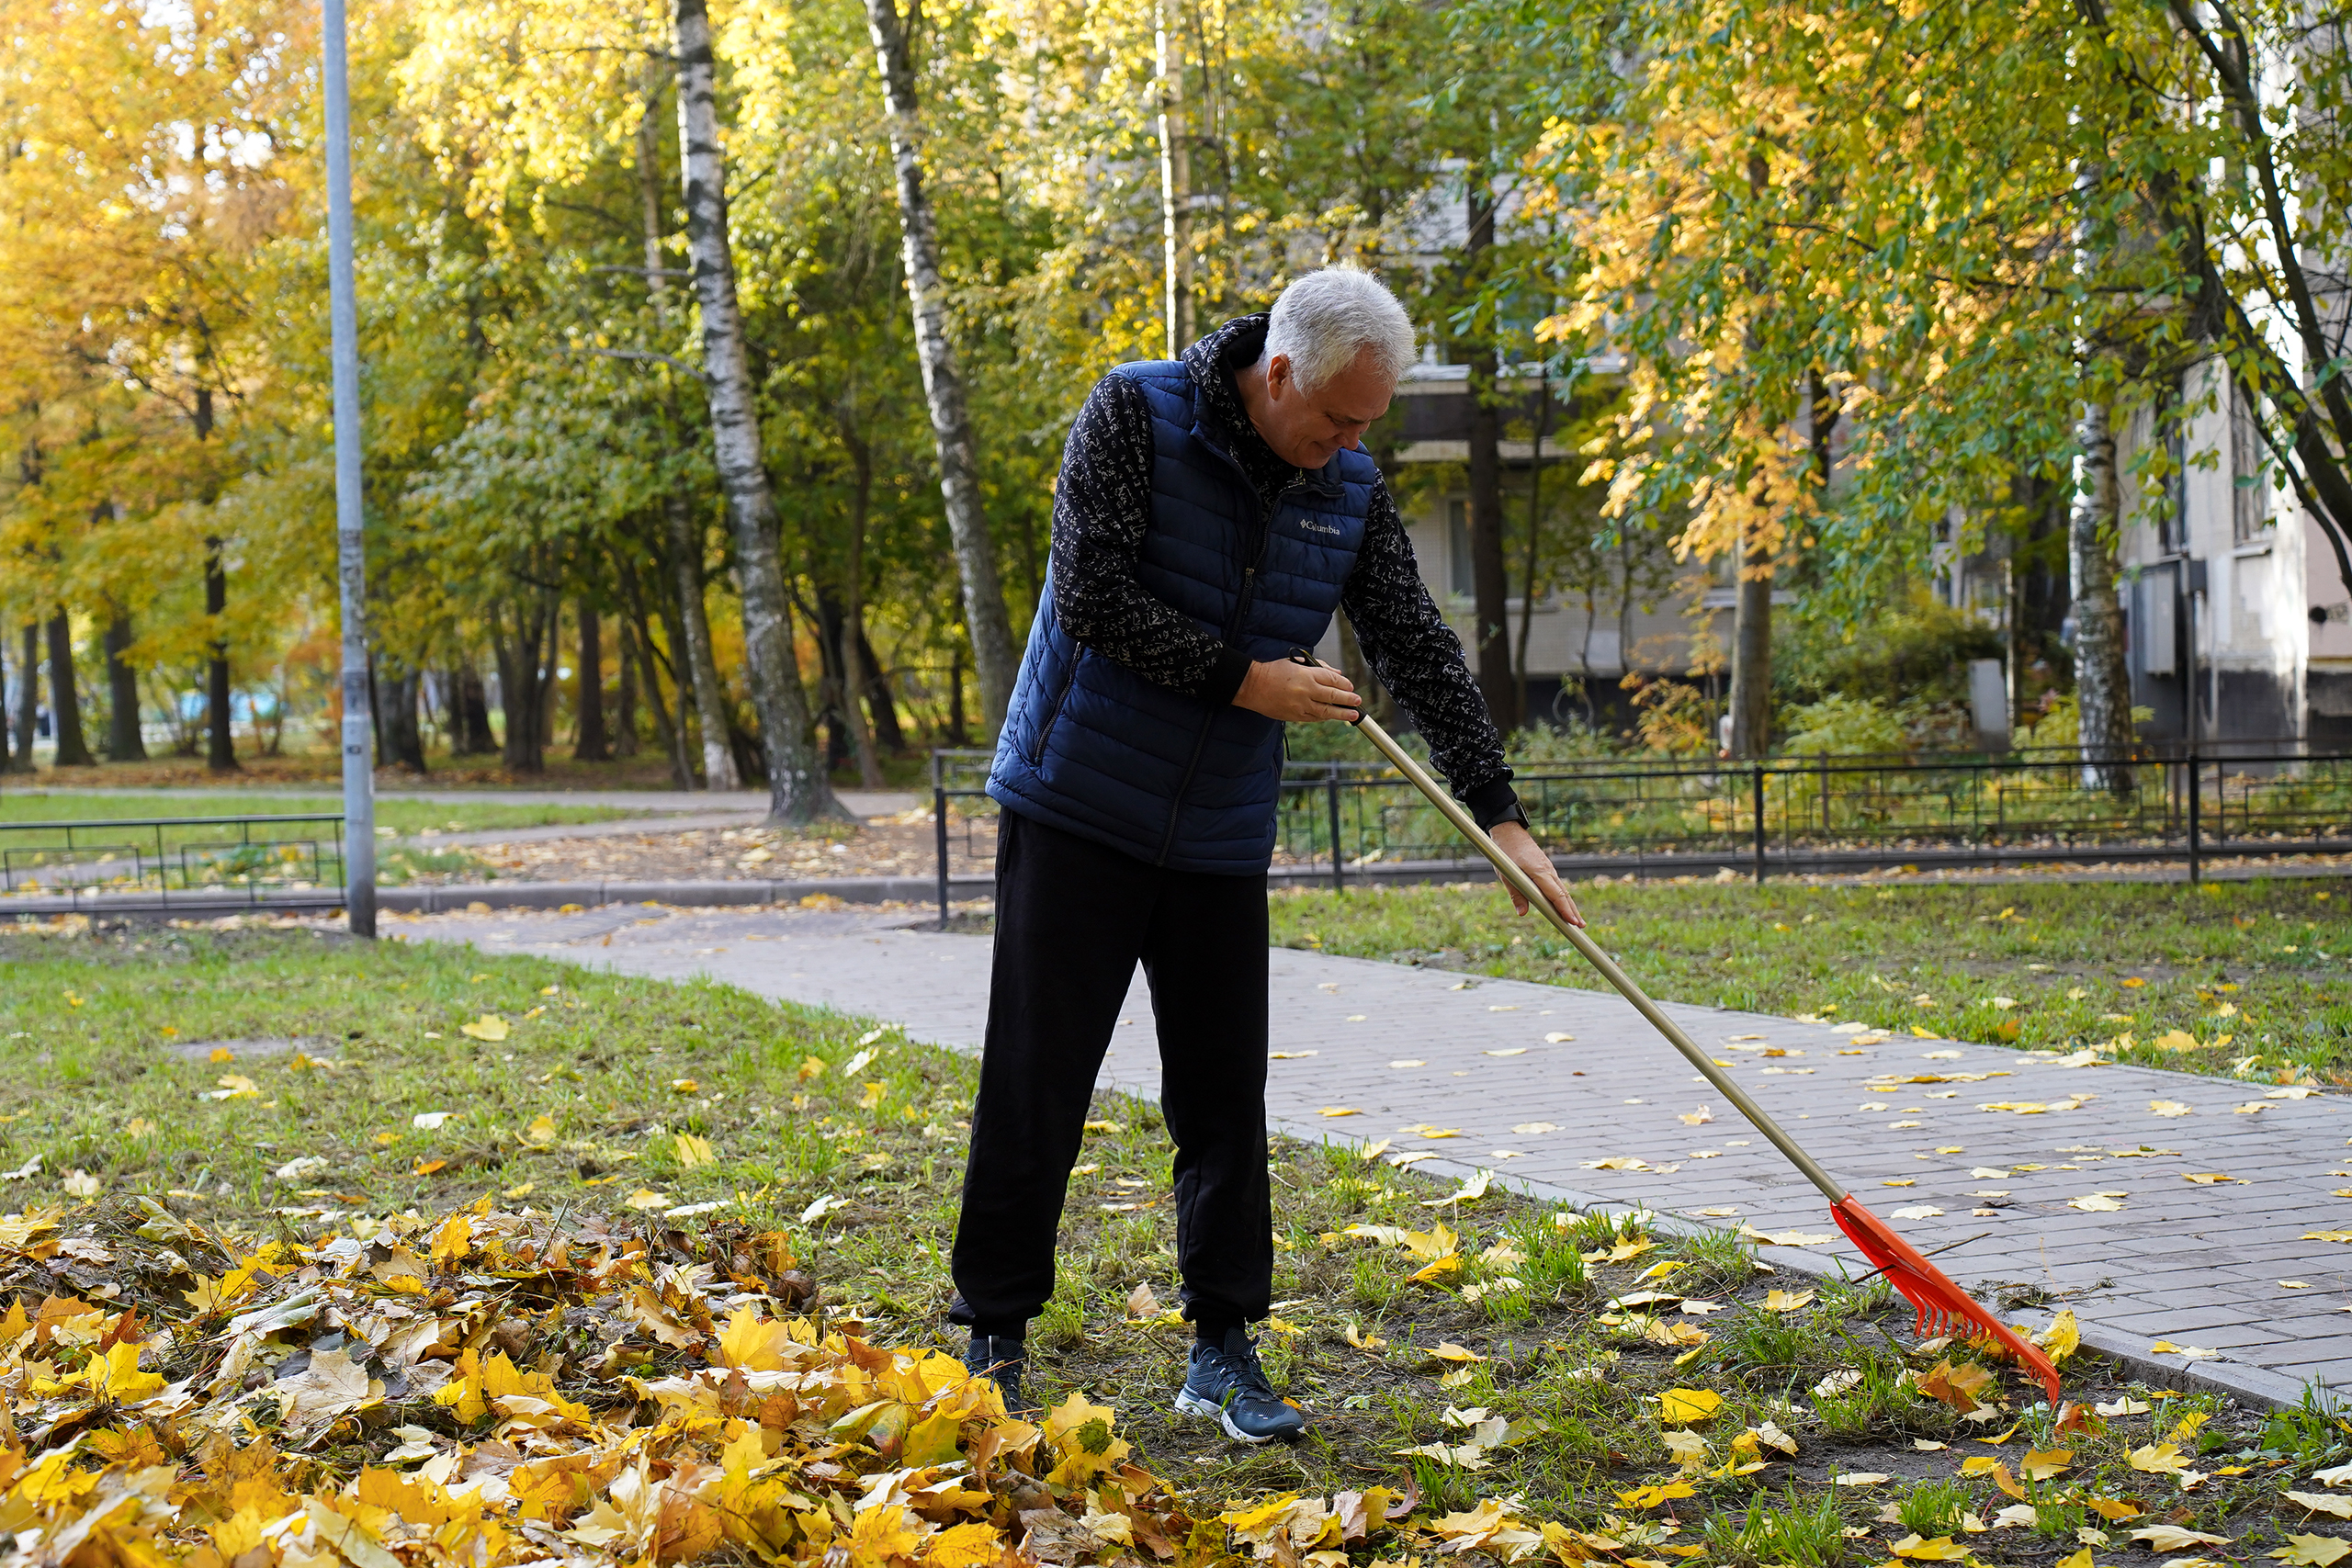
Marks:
<point>1278,379</point>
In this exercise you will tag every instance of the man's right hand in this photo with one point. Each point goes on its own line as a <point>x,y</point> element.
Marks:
<point>1297,693</point>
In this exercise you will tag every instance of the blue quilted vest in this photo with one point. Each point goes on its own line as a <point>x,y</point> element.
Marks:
<point>1096,749</point>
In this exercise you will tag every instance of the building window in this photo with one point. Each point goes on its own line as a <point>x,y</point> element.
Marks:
<point>2249,470</point>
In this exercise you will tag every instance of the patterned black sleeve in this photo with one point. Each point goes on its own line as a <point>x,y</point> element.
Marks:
<point>1416,654</point>
<point>1101,509</point>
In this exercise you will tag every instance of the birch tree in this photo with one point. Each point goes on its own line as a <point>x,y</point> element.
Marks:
<point>798,790</point>
<point>993,659</point>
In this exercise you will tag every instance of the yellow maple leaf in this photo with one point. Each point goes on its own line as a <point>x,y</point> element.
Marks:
<point>1080,1432</point>
<point>453,1240</point>
<point>1941,1549</point>
<point>2062,1338</point>
<point>2313,1550</point>
<point>2158,1458</point>
<point>1777,1300</point>
<point>752,1342</point>
<point>489,1026</point>
<point>1651,1496</point>
<point>2041,1464</point>
<point>115,1378</point>
<point>880,1532</point>
<point>540,1131</point>
<point>1681,1407</point>
<point>962,1546</point>
<point>694,1152</point>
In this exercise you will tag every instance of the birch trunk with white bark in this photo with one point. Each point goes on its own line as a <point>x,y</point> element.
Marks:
<point>798,790</point>
<point>2102,684</point>
<point>993,657</point>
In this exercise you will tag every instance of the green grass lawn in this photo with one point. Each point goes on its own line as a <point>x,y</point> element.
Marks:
<point>405,817</point>
<point>2251,978</point>
<point>135,1072</point>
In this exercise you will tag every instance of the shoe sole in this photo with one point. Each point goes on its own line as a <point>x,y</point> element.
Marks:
<point>1194,1405</point>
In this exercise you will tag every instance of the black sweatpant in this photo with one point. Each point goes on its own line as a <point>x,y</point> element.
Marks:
<point>1073,917</point>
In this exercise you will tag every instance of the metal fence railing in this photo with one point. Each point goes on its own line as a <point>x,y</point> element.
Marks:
<point>175,862</point>
<point>1342,820</point>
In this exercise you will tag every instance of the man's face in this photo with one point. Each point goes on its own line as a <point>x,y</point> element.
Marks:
<point>1306,428</point>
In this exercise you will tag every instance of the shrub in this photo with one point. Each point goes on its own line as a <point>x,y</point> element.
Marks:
<point>1919,650</point>
<point>1841,726</point>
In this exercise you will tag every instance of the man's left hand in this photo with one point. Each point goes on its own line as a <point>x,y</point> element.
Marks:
<point>1515,840</point>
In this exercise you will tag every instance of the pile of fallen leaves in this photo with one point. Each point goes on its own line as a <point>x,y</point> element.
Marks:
<point>499,1386</point>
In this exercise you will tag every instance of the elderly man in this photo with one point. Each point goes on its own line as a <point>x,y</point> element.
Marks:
<point>1211,514</point>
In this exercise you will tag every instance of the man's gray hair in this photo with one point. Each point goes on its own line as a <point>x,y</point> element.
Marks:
<point>1326,319</point>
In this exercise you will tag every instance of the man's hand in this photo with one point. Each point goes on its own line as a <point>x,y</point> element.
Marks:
<point>1516,841</point>
<point>1297,693</point>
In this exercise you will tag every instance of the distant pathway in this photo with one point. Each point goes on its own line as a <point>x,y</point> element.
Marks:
<point>1419,1053</point>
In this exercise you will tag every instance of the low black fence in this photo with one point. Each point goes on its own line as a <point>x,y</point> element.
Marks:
<point>176,864</point>
<point>1344,821</point>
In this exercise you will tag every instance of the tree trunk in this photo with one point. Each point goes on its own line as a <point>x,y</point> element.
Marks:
<point>1175,182</point>
<point>943,382</point>
<point>681,686</point>
<point>28,696</point>
<point>1489,579</point>
<point>853,644</point>
<point>702,664</point>
<point>2102,684</point>
<point>1534,536</point>
<point>403,736</point>
<point>957,734</point>
<point>64,704</point>
<point>589,741</point>
<point>625,697</point>
<point>220,750</point>
<point>469,705</point>
<point>521,686</point>
<point>648,660</point>
<point>1751,650</point>
<point>7,730</point>
<point>124,742</point>
<point>797,788</point>
<point>881,702</point>
<point>831,711</point>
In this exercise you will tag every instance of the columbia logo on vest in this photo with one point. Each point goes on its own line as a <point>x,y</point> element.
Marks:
<point>1313,527</point>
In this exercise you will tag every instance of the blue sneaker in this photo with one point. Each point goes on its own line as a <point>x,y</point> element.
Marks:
<point>1227,1384</point>
<point>994,1356</point>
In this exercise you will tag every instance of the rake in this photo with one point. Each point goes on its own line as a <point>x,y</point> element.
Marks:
<point>1943,1306</point>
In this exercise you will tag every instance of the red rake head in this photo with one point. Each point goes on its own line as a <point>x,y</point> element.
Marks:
<point>1943,1306</point>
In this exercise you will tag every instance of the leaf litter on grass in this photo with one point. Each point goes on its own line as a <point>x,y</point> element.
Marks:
<point>1559,1405</point>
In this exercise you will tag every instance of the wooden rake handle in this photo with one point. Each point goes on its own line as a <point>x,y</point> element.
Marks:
<point>1524,885</point>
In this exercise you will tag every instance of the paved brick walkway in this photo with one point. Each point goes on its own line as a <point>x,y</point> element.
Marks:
<point>1538,1083</point>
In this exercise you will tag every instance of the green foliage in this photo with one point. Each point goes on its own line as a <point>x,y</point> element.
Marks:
<point>1919,651</point>
<point>1840,726</point>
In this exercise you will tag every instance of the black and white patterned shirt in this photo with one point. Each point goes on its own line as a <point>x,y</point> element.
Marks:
<point>1102,509</point>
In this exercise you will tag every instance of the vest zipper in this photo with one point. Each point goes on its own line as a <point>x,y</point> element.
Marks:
<point>1046,730</point>
<point>1232,628</point>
